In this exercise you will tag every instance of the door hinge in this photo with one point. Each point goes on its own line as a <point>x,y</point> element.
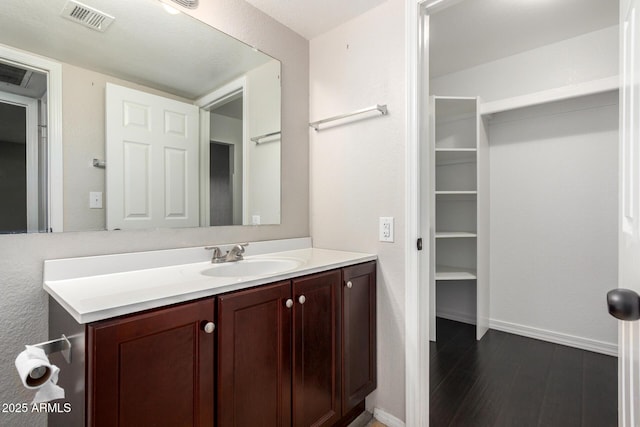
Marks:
<point>419,243</point>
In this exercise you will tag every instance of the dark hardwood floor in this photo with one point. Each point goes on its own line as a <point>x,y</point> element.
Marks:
<point>509,380</point>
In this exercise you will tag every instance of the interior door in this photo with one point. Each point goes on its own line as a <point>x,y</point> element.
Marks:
<point>625,304</point>
<point>152,160</point>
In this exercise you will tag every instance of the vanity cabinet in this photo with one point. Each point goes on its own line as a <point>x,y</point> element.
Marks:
<point>152,369</point>
<point>279,354</point>
<point>299,352</point>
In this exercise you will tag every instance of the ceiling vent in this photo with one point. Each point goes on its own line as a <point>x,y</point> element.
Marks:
<point>14,76</point>
<point>189,4</point>
<point>87,16</point>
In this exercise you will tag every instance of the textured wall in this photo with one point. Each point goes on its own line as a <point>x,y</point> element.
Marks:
<point>358,169</point>
<point>23,303</point>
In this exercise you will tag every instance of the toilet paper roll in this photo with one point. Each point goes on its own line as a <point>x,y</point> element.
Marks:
<point>37,373</point>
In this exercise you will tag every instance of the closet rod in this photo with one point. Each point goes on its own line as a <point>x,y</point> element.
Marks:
<point>381,108</point>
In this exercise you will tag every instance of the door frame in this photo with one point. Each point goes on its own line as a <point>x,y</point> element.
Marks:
<point>31,141</point>
<point>417,224</point>
<point>207,103</point>
<point>55,183</point>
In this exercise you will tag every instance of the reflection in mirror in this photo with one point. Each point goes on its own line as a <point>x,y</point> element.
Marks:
<point>23,97</point>
<point>207,88</point>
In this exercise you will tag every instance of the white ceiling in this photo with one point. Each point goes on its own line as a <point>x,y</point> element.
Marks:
<point>310,18</point>
<point>145,44</point>
<point>473,32</point>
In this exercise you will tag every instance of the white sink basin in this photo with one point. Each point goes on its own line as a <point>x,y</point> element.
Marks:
<point>253,267</point>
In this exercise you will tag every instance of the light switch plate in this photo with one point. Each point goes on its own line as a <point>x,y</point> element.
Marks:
<point>386,229</point>
<point>95,200</point>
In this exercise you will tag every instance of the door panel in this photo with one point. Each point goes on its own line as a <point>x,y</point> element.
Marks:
<point>152,161</point>
<point>629,233</point>
<point>152,369</point>
<point>316,347</point>
<point>254,357</point>
<point>359,328</point>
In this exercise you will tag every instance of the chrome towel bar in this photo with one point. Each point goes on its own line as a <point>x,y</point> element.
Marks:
<point>378,107</point>
<point>257,139</point>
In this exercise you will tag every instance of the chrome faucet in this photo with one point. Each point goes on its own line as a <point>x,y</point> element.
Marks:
<point>235,254</point>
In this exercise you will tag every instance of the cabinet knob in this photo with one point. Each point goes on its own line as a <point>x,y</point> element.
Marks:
<point>349,284</point>
<point>209,327</point>
<point>301,299</point>
<point>289,303</point>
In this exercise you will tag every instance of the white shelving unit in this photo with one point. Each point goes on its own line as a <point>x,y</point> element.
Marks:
<point>459,177</point>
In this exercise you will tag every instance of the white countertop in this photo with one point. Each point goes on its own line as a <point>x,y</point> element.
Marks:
<point>91,297</point>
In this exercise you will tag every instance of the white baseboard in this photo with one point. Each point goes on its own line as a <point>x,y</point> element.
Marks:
<point>555,337</point>
<point>456,316</point>
<point>387,419</point>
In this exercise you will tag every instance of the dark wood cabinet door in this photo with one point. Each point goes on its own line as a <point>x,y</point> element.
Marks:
<point>152,369</point>
<point>254,357</point>
<point>316,354</point>
<point>359,333</point>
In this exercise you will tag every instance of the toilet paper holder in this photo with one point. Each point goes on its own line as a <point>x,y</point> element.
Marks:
<point>60,345</point>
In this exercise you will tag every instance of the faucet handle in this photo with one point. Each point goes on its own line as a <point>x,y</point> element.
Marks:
<point>217,253</point>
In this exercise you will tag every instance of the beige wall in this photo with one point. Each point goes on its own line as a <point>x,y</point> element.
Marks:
<point>263,160</point>
<point>23,304</point>
<point>357,170</point>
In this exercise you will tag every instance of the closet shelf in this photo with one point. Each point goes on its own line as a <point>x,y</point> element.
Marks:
<point>455,157</point>
<point>455,150</point>
<point>455,192</point>
<point>551,95</point>
<point>446,272</point>
<point>454,234</point>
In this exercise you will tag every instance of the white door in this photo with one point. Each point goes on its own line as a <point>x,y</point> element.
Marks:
<point>152,161</point>
<point>629,233</point>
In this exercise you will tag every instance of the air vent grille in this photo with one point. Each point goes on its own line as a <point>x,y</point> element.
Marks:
<point>87,16</point>
<point>14,75</point>
<point>189,4</point>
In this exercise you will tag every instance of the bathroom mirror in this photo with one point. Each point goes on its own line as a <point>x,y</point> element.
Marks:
<point>128,66</point>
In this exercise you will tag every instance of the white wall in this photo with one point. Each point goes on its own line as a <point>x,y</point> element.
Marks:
<point>580,59</point>
<point>23,305</point>
<point>357,168</point>
<point>554,201</point>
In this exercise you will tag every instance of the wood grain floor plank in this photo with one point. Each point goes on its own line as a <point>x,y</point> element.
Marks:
<point>562,405</point>
<point>600,393</point>
<point>509,380</point>
<point>525,396</point>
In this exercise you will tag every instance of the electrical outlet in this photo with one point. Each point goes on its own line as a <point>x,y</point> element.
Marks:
<point>95,200</point>
<point>255,220</point>
<point>386,229</point>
